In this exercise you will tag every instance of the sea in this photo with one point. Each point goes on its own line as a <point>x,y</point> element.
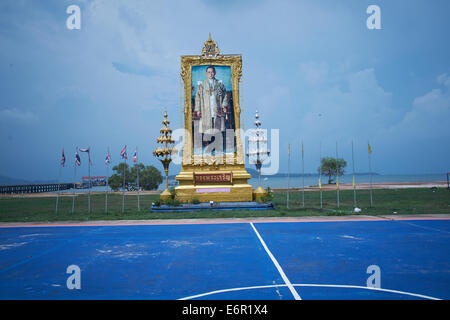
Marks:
<point>275,182</point>
<point>298,181</point>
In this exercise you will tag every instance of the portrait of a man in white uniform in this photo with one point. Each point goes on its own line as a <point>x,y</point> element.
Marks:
<point>212,111</point>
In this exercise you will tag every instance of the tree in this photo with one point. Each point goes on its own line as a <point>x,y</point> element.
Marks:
<point>149,177</point>
<point>331,167</point>
<point>134,173</point>
<point>116,180</point>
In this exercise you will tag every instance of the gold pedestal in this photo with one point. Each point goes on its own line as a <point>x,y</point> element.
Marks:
<point>259,193</point>
<point>165,195</point>
<point>225,185</point>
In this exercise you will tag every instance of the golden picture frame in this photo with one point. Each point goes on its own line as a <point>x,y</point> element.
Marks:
<point>188,64</point>
<point>194,72</point>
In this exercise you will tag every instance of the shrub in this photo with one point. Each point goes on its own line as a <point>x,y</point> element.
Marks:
<point>172,202</point>
<point>269,194</point>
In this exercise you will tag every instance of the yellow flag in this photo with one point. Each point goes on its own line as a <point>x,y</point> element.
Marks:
<point>320,184</point>
<point>354,184</point>
<point>370,148</point>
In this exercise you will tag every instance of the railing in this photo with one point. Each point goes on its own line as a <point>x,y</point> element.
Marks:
<point>35,188</point>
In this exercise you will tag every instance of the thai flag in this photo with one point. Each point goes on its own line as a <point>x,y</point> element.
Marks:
<point>63,159</point>
<point>77,159</point>
<point>123,153</point>
<point>89,153</point>
<point>135,156</point>
<point>108,159</point>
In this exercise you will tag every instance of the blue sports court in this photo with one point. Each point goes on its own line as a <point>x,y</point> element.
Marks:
<point>360,258</point>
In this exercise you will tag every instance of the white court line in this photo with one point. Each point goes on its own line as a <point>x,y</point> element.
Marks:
<point>367,288</point>
<point>311,285</point>
<point>277,265</point>
<point>230,290</point>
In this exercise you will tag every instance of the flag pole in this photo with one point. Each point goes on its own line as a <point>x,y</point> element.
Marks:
<point>74,181</point>
<point>123,188</point>
<point>107,185</point>
<point>320,174</point>
<point>89,177</point>
<point>303,177</point>
<point>137,172</point>
<point>77,162</point>
<point>337,176</point>
<point>289,170</point>
<point>354,184</point>
<point>73,195</point>
<point>139,205</point>
<point>370,172</point>
<point>57,194</point>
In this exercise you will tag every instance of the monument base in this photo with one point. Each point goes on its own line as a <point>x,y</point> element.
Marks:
<point>217,193</point>
<point>218,186</point>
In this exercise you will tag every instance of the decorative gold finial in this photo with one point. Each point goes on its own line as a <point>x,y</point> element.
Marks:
<point>210,48</point>
<point>164,153</point>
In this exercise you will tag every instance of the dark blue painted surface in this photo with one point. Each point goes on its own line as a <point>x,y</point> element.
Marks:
<point>133,262</point>
<point>413,256</point>
<point>177,261</point>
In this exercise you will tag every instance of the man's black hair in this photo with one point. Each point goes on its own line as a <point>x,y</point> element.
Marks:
<point>212,68</point>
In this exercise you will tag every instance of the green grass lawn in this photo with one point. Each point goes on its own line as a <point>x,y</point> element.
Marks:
<point>386,202</point>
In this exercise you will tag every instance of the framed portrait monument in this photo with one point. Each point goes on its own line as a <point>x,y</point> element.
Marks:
<point>213,166</point>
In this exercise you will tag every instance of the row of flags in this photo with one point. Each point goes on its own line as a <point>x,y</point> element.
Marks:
<point>123,155</point>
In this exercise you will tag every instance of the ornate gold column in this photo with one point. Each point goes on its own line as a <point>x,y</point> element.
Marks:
<point>164,153</point>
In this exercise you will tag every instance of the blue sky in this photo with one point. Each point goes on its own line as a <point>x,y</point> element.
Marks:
<point>108,83</point>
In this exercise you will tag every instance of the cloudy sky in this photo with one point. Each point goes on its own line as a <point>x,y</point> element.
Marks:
<point>312,68</point>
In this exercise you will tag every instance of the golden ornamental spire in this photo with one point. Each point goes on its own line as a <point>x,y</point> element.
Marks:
<point>210,48</point>
<point>165,152</point>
